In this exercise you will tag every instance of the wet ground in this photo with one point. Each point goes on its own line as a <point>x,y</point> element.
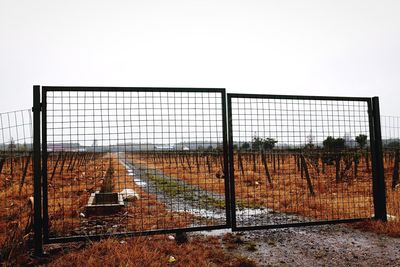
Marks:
<point>179,196</point>
<point>329,245</point>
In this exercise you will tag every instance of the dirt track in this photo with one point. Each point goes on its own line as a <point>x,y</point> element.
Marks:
<point>315,246</point>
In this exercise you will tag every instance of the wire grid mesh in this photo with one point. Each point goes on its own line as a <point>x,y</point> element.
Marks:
<point>15,175</point>
<point>391,156</point>
<point>134,160</point>
<point>299,160</point>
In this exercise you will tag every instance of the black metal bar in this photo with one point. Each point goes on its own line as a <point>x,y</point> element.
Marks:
<point>131,89</point>
<point>378,185</point>
<point>36,172</point>
<point>299,97</point>
<point>231,166</point>
<point>226,161</point>
<point>44,167</point>
<point>132,234</point>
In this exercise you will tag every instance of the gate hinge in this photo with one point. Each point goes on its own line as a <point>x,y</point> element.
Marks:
<point>40,107</point>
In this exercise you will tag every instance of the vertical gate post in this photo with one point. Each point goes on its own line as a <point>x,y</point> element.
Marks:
<point>45,218</point>
<point>38,242</point>
<point>232,198</point>
<point>378,184</point>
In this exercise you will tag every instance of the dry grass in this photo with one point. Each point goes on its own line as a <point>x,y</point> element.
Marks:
<point>15,208</point>
<point>390,228</point>
<point>69,193</point>
<point>392,195</point>
<point>152,251</point>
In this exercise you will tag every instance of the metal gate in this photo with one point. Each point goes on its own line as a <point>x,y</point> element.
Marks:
<point>112,161</point>
<point>302,160</point>
<point>131,161</point>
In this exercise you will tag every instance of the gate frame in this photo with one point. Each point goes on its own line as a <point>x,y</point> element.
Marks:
<point>378,182</point>
<point>37,181</point>
<point>41,226</point>
<point>378,178</point>
<point>41,156</point>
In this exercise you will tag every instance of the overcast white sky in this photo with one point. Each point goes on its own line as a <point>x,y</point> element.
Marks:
<point>348,47</point>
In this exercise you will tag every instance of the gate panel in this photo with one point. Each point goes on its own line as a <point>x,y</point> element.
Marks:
<point>130,161</point>
<point>299,160</point>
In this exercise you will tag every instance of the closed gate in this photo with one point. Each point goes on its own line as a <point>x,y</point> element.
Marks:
<point>132,161</point>
<point>137,161</point>
<point>300,160</point>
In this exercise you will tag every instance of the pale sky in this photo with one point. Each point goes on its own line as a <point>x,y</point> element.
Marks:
<point>345,47</point>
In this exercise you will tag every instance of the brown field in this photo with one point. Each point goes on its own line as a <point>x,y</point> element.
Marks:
<point>68,193</point>
<point>288,192</point>
<point>15,209</point>
<point>68,198</point>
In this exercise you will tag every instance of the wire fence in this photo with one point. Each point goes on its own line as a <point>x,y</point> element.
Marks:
<point>299,160</point>
<point>16,182</point>
<point>134,161</point>
<point>140,161</point>
<point>391,149</point>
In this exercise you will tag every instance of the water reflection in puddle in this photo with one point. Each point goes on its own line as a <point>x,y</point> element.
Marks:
<point>131,172</point>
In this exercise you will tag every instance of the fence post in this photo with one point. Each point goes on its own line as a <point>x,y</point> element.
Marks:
<point>378,184</point>
<point>44,155</point>
<point>38,242</point>
<point>227,161</point>
<point>231,153</point>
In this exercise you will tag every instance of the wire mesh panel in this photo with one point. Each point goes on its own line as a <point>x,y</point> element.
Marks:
<point>133,160</point>
<point>299,160</point>
<point>15,178</point>
<point>391,156</point>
